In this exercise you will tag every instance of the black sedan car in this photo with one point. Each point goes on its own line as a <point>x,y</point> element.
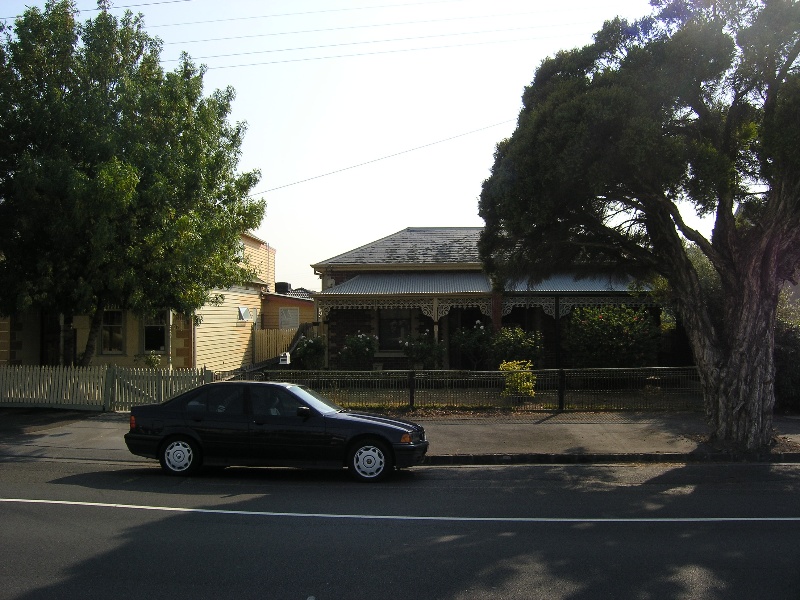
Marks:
<point>270,424</point>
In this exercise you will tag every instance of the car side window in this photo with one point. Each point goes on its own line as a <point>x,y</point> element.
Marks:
<point>287,404</point>
<point>264,401</point>
<point>227,400</point>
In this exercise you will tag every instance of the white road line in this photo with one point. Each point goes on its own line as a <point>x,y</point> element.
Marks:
<point>252,513</point>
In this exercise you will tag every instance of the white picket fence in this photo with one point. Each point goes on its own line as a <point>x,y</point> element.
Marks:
<point>106,388</point>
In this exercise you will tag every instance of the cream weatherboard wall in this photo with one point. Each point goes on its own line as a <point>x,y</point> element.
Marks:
<point>261,257</point>
<point>224,336</point>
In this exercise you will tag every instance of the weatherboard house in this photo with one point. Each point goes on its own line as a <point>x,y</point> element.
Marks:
<point>430,279</point>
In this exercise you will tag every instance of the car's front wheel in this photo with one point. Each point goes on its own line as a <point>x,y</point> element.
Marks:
<point>180,456</point>
<point>369,460</point>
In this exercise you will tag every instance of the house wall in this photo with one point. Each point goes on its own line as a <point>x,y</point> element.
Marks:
<point>24,338</point>
<point>261,257</point>
<point>5,340</point>
<point>223,342</point>
<point>273,303</point>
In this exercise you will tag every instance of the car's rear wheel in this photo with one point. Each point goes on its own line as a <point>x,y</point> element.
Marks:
<point>369,460</point>
<point>180,456</point>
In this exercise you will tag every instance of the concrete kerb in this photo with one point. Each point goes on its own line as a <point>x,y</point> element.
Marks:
<point>590,439</point>
<point>595,458</point>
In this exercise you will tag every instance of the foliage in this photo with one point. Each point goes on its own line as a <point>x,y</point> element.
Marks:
<point>149,359</point>
<point>520,382</point>
<point>613,337</point>
<point>691,109</point>
<point>473,343</point>
<point>515,344</point>
<point>787,356</point>
<point>423,350</point>
<point>118,183</point>
<point>309,353</point>
<point>358,352</point>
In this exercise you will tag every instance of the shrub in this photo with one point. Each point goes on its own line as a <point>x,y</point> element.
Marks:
<point>150,359</point>
<point>787,355</point>
<point>515,344</point>
<point>520,382</point>
<point>358,352</point>
<point>474,344</point>
<point>612,336</point>
<point>423,350</point>
<point>309,353</point>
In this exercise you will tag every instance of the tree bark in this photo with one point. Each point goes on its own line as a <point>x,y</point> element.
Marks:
<point>94,333</point>
<point>735,359</point>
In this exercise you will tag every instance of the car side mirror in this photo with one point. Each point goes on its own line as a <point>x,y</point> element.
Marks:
<point>304,412</point>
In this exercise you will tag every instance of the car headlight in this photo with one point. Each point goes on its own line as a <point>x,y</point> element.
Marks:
<point>411,438</point>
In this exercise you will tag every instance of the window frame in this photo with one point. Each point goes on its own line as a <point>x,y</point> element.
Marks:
<point>107,332</point>
<point>165,325</point>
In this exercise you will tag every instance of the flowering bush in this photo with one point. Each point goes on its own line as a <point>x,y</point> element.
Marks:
<point>516,344</point>
<point>474,344</point>
<point>520,382</point>
<point>309,353</point>
<point>358,352</point>
<point>612,336</point>
<point>423,350</point>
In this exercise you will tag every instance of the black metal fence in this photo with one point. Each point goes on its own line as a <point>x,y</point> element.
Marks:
<point>645,389</point>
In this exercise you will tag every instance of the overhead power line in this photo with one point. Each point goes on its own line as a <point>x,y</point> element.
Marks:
<point>351,27</point>
<point>369,162</point>
<point>389,41</point>
<point>376,53</point>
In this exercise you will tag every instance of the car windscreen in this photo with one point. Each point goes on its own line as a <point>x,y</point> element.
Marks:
<point>316,400</point>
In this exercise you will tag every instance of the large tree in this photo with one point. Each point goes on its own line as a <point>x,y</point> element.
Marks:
<point>694,108</point>
<point>118,181</point>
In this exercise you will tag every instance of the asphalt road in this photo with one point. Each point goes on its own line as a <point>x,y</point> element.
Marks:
<point>94,529</point>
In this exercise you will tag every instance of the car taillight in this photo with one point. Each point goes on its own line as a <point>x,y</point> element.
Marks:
<point>133,422</point>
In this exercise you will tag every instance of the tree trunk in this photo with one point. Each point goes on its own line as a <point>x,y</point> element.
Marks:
<point>736,362</point>
<point>94,333</point>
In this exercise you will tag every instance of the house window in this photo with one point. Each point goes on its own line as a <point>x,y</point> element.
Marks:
<point>155,332</point>
<point>394,327</point>
<point>112,332</point>
<point>288,318</point>
<point>245,314</point>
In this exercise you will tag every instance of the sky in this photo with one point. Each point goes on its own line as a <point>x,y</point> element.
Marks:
<point>365,117</point>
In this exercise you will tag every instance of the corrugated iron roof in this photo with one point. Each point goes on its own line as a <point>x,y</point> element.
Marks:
<point>411,283</point>
<point>415,246</point>
<point>572,284</point>
<point>384,284</point>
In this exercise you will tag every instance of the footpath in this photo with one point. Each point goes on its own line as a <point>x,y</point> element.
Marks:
<point>539,438</point>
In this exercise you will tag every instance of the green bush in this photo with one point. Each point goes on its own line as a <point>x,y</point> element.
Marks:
<point>358,352</point>
<point>309,353</point>
<point>787,356</point>
<point>516,344</point>
<point>423,350</point>
<point>614,336</point>
<point>474,344</point>
<point>520,382</point>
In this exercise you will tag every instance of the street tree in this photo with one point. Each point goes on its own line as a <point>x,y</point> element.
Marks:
<point>695,108</point>
<point>118,180</point>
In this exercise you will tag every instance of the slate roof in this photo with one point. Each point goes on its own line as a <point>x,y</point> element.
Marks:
<point>416,246</point>
<point>453,254</point>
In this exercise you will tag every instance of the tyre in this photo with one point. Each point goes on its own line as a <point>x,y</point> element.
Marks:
<point>370,460</point>
<point>180,456</point>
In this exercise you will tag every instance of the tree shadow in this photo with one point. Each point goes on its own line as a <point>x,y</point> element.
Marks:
<point>257,549</point>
